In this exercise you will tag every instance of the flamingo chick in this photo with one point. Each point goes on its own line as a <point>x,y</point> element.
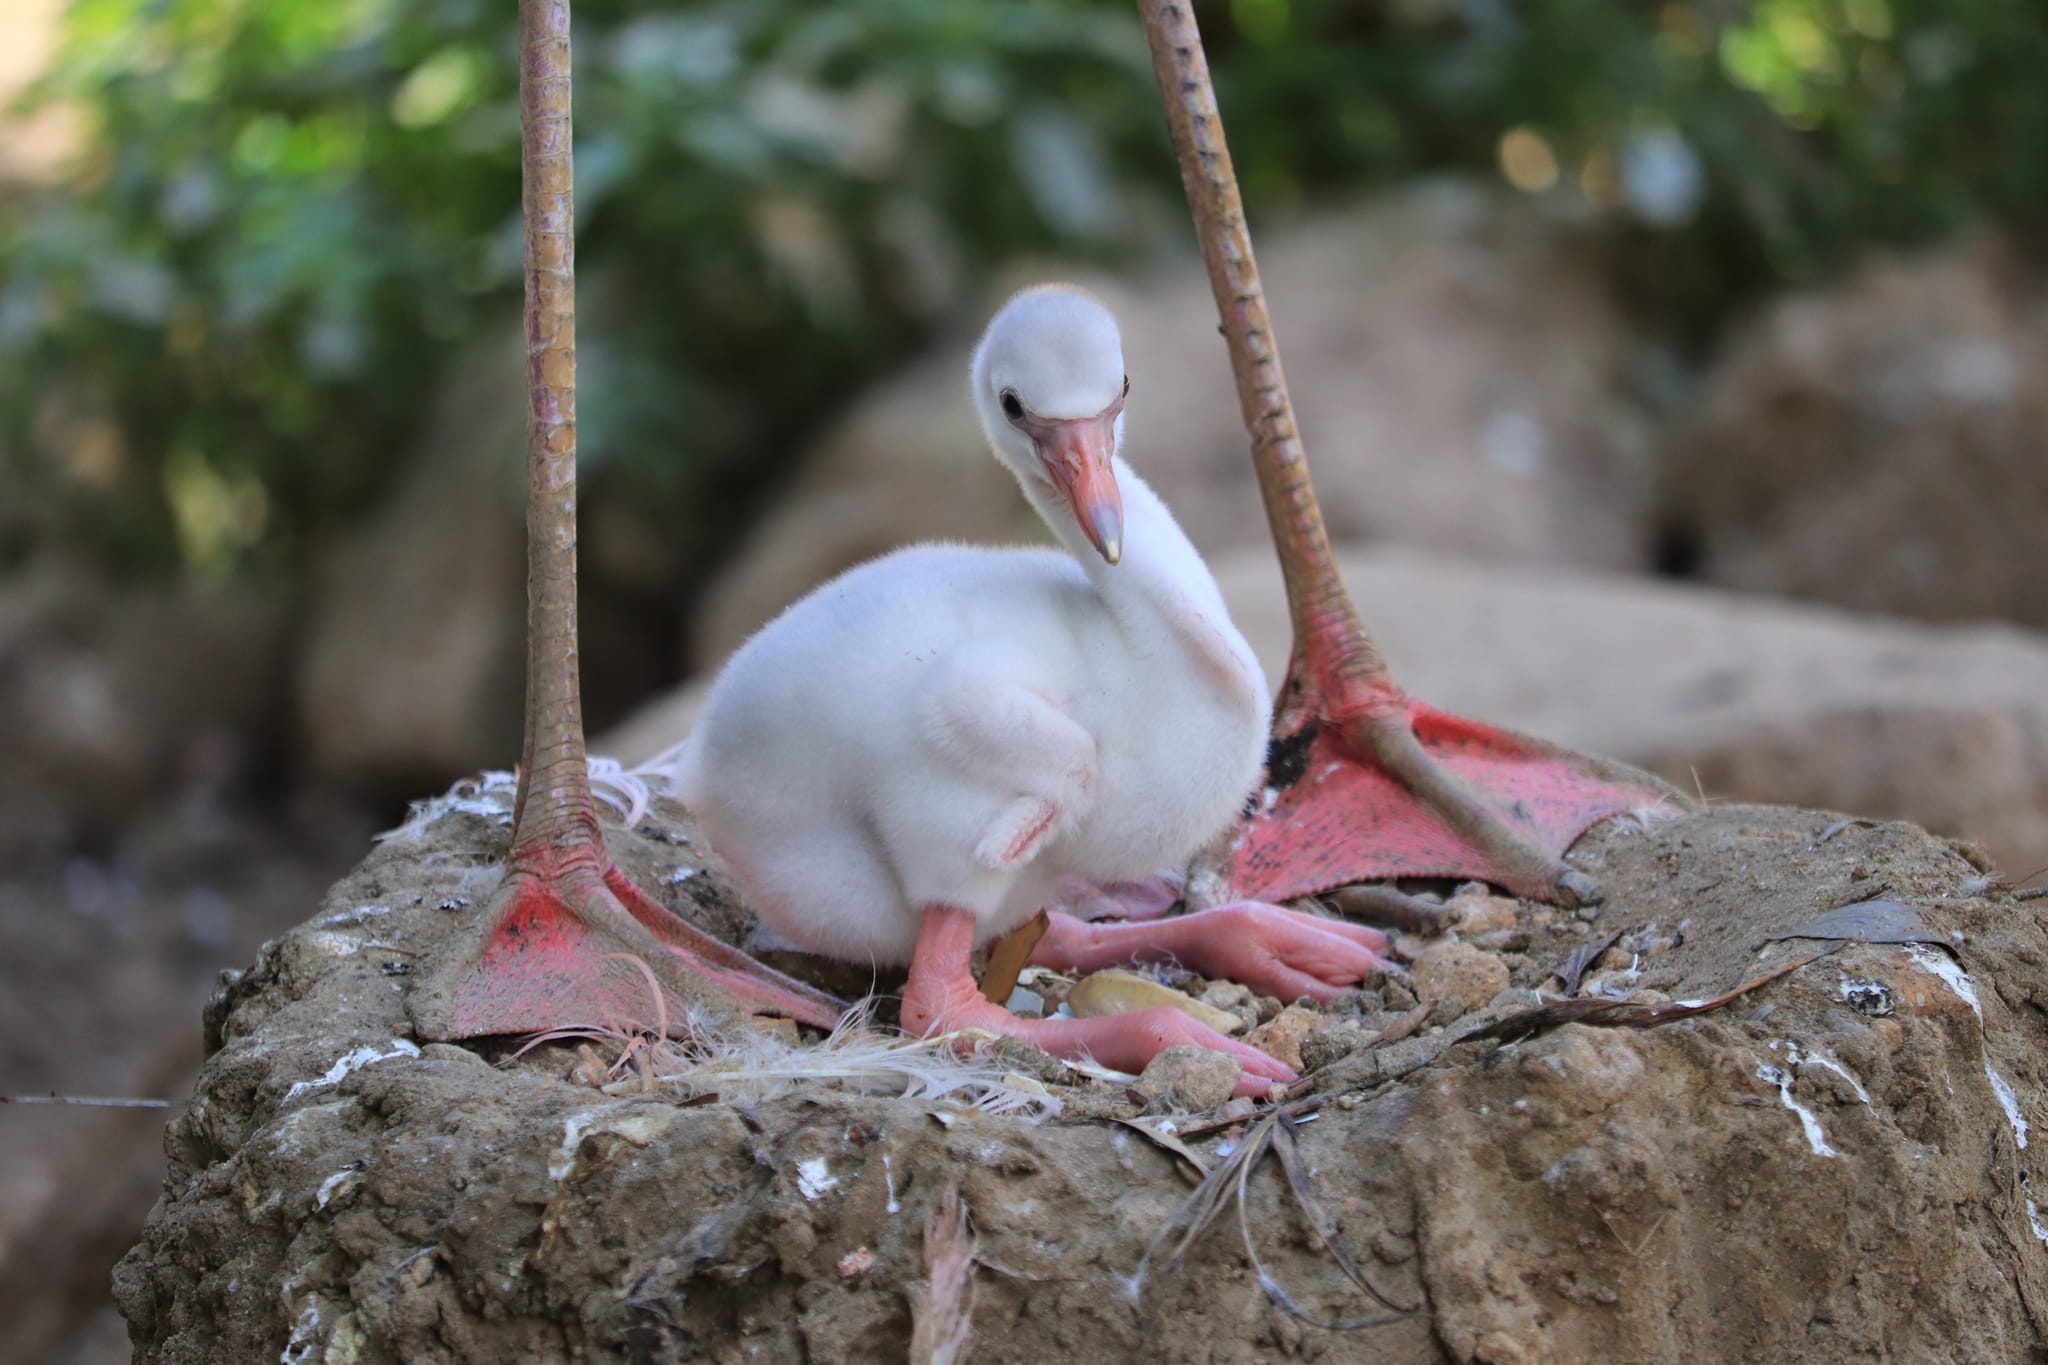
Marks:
<point>912,760</point>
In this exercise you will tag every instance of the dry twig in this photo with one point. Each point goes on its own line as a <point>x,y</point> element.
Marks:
<point>1227,1182</point>
<point>1628,1013</point>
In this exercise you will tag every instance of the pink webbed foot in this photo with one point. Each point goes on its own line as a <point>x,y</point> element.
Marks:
<point>550,952</point>
<point>941,996</point>
<point>1275,951</point>
<point>1406,790</point>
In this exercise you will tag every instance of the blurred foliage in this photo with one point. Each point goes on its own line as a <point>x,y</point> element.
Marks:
<point>296,215</point>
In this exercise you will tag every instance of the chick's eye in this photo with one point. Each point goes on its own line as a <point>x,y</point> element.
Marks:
<point>1012,409</point>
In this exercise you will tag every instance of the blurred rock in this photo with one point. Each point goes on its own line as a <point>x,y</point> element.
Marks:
<point>1459,367</point>
<point>1882,443</point>
<point>413,672</point>
<point>412,669</point>
<point>1741,697</point>
<point>116,700</point>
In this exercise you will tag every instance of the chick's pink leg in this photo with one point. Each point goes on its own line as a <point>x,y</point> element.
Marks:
<point>1275,951</point>
<point>941,996</point>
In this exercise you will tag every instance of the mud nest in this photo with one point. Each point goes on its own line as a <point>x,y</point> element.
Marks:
<point>1832,1163</point>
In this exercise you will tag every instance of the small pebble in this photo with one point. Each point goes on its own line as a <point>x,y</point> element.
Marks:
<point>1449,1010</point>
<point>1453,968</point>
<point>1329,1044</point>
<point>1190,1079</point>
<point>1234,998</point>
<point>1476,911</point>
<point>1280,1037</point>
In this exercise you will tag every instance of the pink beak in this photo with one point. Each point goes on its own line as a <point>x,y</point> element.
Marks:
<point>1076,454</point>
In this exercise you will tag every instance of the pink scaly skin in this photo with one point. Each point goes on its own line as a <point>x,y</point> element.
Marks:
<point>1275,951</point>
<point>941,997</point>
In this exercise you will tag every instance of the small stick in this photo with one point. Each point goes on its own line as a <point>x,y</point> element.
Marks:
<point>88,1101</point>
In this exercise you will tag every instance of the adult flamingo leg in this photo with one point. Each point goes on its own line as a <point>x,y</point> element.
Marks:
<point>1364,781</point>
<point>542,955</point>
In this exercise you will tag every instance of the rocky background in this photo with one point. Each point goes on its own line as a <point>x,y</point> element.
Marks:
<point>1791,553</point>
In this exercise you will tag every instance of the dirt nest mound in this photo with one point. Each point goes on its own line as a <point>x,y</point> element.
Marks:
<point>1834,1163</point>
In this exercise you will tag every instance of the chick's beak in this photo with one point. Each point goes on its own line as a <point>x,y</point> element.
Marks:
<point>1076,455</point>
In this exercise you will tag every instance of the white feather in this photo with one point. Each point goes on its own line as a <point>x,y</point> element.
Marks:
<point>757,1066</point>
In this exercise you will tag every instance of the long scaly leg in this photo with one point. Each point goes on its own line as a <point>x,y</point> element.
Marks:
<point>538,956</point>
<point>1364,781</point>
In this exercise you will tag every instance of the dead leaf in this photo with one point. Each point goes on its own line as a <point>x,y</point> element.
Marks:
<point>1168,1142</point>
<point>1573,969</point>
<point>1867,922</point>
<point>1007,957</point>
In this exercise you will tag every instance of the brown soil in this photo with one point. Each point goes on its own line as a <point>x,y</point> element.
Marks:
<point>1583,1194</point>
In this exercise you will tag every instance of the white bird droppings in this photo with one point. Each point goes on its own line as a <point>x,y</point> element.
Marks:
<point>350,915</point>
<point>337,945</point>
<point>488,795</point>
<point>299,1346</point>
<point>1937,963</point>
<point>636,1125</point>
<point>1941,965</point>
<point>1798,1058</point>
<point>573,1129</point>
<point>353,1061</point>
<point>1815,1137</point>
<point>814,1178</point>
<point>2011,1103</point>
<point>333,1184</point>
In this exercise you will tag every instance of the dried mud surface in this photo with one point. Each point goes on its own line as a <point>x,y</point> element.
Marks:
<point>1834,1166</point>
